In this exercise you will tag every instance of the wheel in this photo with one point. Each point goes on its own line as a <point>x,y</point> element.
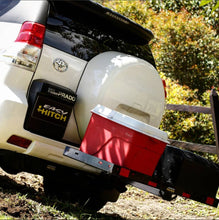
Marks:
<point>90,192</point>
<point>96,199</point>
<point>94,204</point>
<point>86,198</point>
<point>62,190</point>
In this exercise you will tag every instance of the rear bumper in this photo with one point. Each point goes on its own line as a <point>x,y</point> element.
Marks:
<point>12,116</point>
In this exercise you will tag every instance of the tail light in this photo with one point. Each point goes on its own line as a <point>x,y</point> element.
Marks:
<point>164,86</point>
<point>26,50</point>
<point>32,34</point>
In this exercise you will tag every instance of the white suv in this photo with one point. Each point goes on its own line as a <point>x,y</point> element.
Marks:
<point>58,60</point>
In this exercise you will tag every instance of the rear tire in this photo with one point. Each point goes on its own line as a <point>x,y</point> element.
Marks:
<point>94,204</point>
<point>90,193</point>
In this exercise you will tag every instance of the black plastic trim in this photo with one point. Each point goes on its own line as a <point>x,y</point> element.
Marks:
<point>13,162</point>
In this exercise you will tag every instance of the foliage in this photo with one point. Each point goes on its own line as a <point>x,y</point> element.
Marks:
<point>205,2</point>
<point>192,6</point>
<point>134,10</point>
<point>187,50</point>
<point>195,7</point>
<point>185,126</point>
<point>174,5</point>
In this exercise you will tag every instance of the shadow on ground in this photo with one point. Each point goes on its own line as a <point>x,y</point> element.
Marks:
<point>14,202</point>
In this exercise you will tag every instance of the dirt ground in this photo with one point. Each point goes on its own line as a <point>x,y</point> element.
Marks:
<point>134,204</point>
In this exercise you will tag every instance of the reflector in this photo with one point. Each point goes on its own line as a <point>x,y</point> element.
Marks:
<point>210,201</point>
<point>124,172</point>
<point>164,86</point>
<point>150,183</point>
<point>19,141</point>
<point>186,195</point>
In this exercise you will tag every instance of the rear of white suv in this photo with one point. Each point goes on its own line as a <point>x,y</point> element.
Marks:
<point>20,51</point>
<point>58,60</point>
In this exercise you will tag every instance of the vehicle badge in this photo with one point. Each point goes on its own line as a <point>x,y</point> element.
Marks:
<point>60,65</point>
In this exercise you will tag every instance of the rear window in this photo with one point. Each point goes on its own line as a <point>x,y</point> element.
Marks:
<point>80,36</point>
<point>6,5</point>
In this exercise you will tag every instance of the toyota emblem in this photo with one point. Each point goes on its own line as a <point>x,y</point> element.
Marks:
<point>60,65</point>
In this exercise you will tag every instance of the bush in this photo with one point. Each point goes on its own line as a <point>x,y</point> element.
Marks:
<point>192,6</point>
<point>134,10</point>
<point>185,126</point>
<point>187,50</point>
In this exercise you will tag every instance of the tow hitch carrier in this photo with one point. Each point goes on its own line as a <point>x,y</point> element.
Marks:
<point>178,172</point>
<point>138,154</point>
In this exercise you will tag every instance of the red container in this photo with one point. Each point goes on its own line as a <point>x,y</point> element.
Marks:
<point>124,141</point>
